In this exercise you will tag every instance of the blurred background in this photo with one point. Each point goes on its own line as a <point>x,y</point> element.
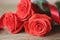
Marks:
<point>16,1</point>
<point>10,5</point>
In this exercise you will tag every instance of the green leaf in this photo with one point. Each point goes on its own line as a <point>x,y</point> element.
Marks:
<point>58,5</point>
<point>39,3</point>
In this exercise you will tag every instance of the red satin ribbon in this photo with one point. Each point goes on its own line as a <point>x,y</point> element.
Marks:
<point>54,13</point>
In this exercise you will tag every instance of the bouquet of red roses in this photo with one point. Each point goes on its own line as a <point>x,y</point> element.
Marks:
<point>32,17</point>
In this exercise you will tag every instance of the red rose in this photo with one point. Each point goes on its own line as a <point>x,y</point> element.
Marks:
<point>1,24</point>
<point>38,25</point>
<point>12,23</point>
<point>24,10</point>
